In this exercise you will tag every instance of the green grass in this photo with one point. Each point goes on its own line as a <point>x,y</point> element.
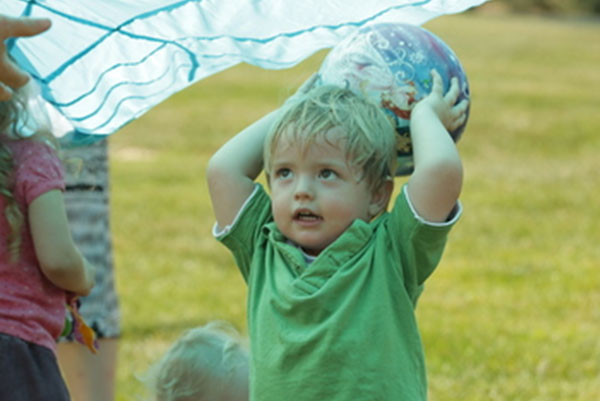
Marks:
<point>512,312</point>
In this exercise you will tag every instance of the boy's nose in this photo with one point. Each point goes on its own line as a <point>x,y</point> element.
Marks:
<point>303,188</point>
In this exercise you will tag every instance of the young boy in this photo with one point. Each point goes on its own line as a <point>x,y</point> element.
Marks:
<point>333,279</point>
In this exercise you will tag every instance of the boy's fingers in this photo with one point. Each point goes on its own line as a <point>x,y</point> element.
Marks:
<point>437,81</point>
<point>437,88</point>
<point>14,27</point>
<point>455,124</point>
<point>462,107</point>
<point>309,83</point>
<point>435,74</point>
<point>453,91</point>
<point>460,114</point>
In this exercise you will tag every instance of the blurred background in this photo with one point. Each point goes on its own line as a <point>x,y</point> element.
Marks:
<point>512,313</point>
<point>556,7</point>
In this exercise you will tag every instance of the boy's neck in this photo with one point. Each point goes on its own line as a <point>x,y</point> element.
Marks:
<point>308,258</point>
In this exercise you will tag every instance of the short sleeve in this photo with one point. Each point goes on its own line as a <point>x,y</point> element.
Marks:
<point>38,171</point>
<point>242,236</point>
<point>419,243</point>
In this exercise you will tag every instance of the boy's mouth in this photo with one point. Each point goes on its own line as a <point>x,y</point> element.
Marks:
<point>307,216</point>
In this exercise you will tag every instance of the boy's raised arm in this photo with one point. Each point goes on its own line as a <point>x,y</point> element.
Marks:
<point>233,168</point>
<point>436,182</point>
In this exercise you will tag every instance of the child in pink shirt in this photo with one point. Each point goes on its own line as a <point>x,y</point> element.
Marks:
<point>39,264</point>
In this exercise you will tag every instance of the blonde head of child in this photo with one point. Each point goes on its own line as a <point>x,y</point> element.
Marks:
<point>329,160</point>
<point>208,363</point>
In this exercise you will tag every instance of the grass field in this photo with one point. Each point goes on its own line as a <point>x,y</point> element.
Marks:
<point>512,313</point>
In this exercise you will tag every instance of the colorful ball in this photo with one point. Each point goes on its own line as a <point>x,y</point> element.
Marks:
<point>391,64</point>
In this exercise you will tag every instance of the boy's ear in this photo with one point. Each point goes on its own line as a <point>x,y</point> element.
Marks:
<point>381,198</point>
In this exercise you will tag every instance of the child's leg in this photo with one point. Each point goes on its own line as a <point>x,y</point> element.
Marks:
<point>89,376</point>
<point>29,372</point>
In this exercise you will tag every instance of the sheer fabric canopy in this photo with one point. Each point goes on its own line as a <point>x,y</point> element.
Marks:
<point>104,63</point>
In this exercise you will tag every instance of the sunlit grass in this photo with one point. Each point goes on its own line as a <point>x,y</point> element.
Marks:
<point>512,312</point>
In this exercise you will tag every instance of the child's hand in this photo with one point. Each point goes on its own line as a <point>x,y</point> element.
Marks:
<point>11,76</point>
<point>308,84</point>
<point>450,114</point>
<point>304,88</point>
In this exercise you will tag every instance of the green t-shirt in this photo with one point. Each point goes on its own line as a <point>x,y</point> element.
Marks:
<point>342,327</point>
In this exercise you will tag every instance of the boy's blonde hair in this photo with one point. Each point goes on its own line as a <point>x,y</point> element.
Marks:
<point>202,365</point>
<point>14,115</point>
<point>370,136</point>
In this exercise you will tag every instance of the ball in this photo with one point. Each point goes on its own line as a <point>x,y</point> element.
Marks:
<point>391,64</point>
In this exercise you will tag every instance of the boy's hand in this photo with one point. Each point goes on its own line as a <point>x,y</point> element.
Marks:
<point>11,76</point>
<point>304,88</point>
<point>450,114</point>
<point>436,182</point>
<point>308,84</point>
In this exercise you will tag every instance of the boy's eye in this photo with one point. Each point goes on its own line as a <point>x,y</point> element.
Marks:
<point>327,174</point>
<point>283,173</point>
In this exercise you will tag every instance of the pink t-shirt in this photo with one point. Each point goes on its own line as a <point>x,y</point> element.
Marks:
<point>31,307</point>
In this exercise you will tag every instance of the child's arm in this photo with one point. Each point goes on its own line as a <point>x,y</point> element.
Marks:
<point>60,260</point>
<point>436,182</point>
<point>233,168</point>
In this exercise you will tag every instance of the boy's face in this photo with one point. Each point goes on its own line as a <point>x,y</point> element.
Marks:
<point>316,193</point>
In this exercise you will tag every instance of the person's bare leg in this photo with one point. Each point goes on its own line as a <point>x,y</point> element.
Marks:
<point>89,377</point>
